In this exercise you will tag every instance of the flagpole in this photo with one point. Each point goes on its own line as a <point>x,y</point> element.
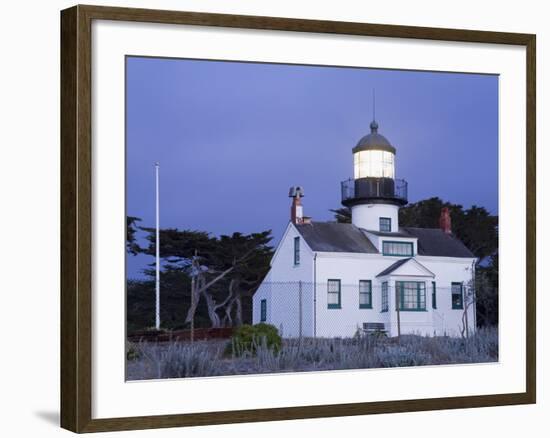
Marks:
<point>157,249</point>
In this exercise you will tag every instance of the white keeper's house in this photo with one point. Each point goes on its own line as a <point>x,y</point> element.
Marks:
<point>331,279</point>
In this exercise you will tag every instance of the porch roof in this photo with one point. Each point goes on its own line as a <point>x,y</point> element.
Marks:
<point>392,268</point>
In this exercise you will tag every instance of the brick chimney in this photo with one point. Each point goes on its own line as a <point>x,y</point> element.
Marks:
<point>445,220</point>
<point>296,209</point>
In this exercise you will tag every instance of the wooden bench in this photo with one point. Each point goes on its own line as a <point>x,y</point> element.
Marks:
<point>374,327</point>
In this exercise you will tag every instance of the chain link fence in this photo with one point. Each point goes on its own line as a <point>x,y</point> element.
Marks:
<point>333,309</point>
<point>299,309</point>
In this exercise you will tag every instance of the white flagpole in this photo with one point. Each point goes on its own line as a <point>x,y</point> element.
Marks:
<point>157,250</point>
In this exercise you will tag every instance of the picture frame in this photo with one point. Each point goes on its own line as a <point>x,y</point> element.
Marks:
<point>77,171</point>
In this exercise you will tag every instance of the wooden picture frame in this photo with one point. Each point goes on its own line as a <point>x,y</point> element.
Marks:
<point>76,218</point>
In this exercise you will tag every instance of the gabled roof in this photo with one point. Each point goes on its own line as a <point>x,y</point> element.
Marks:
<point>394,267</point>
<point>434,242</point>
<point>339,237</point>
<point>336,237</point>
<point>431,241</point>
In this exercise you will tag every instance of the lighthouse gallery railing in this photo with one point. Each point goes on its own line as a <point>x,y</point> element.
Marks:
<point>374,188</point>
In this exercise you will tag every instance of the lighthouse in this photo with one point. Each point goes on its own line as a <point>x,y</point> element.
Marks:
<point>369,275</point>
<point>374,195</point>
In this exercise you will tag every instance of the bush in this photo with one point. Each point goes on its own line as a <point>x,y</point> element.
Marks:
<point>258,349</point>
<point>182,360</point>
<point>247,338</point>
<point>401,356</point>
<point>174,360</point>
<point>132,353</point>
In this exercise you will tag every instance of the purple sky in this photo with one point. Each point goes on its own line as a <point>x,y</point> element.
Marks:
<point>231,138</point>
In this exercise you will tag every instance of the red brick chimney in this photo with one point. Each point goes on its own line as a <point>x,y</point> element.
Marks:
<point>296,209</point>
<point>445,220</point>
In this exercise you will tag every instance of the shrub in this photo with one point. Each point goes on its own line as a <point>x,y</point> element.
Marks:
<point>401,356</point>
<point>247,338</point>
<point>132,353</point>
<point>258,349</point>
<point>175,359</point>
<point>180,360</point>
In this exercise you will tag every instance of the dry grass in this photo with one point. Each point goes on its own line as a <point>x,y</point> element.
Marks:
<point>210,358</point>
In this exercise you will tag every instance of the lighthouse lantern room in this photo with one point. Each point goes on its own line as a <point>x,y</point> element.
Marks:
<point>374,194</point>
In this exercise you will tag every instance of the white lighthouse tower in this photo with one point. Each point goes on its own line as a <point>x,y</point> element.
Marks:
<point>374,194</point>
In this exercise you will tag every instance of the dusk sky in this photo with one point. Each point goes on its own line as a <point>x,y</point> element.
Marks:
<point>231,138</point>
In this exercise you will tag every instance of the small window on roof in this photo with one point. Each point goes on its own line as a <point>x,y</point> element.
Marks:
<point>391,248</point>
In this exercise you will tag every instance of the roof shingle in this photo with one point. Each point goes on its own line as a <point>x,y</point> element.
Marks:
<point>336,237</point>
<point>434,242</point>
<point>340,237</point>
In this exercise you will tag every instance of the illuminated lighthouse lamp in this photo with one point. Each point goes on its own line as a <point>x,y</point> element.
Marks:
<point>374,195</point>
<point>374,157</point>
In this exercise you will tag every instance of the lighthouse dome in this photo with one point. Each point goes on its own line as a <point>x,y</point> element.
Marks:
<point>374,141</point>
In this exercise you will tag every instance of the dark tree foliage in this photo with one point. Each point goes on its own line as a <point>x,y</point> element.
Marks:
<point>487,293</point>
<point>140,302</point>
<point>231,269</point>
<point>342,215</point>
<point>475,227</point>
<point>246,277</point>
<point>177,245</point>
<point>131,229</point>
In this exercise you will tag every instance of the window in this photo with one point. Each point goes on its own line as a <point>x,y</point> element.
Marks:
<point>373,163</point>
<point>434,295</point>
<point>334,295</point>
<point>390,248</point>
<point>365,294</point>
<point>385,224</point>
<point>456,296</point>
<point>385,302</point>
<point>296,251</point>
<point>412,295</point>
<point>263,310</point>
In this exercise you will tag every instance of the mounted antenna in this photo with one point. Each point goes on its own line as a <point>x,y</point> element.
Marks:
<point>373,124</point>
<point>373,105</point>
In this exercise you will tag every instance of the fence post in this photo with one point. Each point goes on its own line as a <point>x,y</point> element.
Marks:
<point>300,308</point>
<point>192,332</point>
<point>397,303</point>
